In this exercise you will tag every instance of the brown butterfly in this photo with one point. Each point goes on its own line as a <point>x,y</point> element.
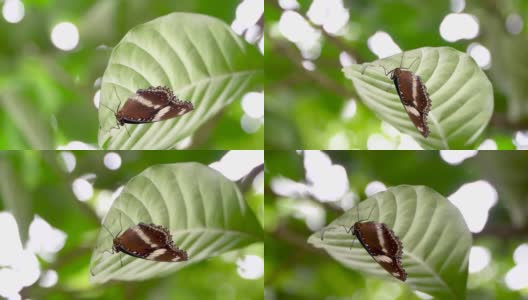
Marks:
<point>149,241</point>
<point>413,95</point>
<point>150,105</point>
<point>381,244</point>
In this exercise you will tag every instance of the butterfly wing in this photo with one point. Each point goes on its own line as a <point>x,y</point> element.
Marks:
<point>142,107</point>
<point>414,97</point>
<point>150,242</point>
<point>164,250</point>
<point>174,109</point>
<point>151,105</point>
<point>383,245</point>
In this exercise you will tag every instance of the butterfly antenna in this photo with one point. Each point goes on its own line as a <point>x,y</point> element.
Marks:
<point>349,230</point>
<point>373,206</point>
<point>322,232</point>
<point>372,65</point>
<point>108,230</point>
<point>120,224</point>
<point>412,63</point>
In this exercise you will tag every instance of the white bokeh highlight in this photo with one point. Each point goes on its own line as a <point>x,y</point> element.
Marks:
<point>97,99</point>
<point>48,279</point>
<point>458,26</point>
<point>13,11</point>
<point>346,60</point>
<point>514,24</point>
<point>289,4</point>
<point>69,160</point>
<point>65,36</point>
<point>20,267</point>
<point>236,164</point>
<point>374,187</point>
<point>474,200</point>
<point>248,12</point>
<point>458,6</point>
<point>480,54</point>
<point>253,104</point>
<point>338,141</point>
<point>44,240</point>
<point>520,255</point>
<point>349,110</point>
<point>329,14</point>
<point>456,157</point>
<point>312,213</point>
<point>112,160</point>
<point>82,189</point>
<point>104,201</point>
<point>250,125</point>
<point>329,182</point>
<point>517,277</point>
<point>520,140</point>
<point>325,181</point>
<point>296,29</point>
<point>250,267</point>
<point>479,259</point>
<point>382,44</point>
<point>77,145</point>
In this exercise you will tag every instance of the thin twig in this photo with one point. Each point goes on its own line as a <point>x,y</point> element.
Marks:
<point>245,182</point>
<point>319,78</point>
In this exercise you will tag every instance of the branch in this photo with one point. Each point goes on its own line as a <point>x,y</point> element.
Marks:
<point>501,121</point>
<point>245,182</point>
<point>502,232</point>
<point>317,77</point>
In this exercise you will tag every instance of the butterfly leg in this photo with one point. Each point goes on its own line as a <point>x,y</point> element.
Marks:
<point>121,260</point>
<point>127,130</point>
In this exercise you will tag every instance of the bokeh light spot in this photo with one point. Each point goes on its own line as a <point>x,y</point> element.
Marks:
<point>479,258</point>
<point>456,27</point>
<point>13,11</point>
<point>250,267</point>
<point>112,160</point>
<point>65,36</point>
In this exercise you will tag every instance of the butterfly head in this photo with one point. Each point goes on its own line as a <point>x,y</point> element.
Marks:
<point>394,73</point>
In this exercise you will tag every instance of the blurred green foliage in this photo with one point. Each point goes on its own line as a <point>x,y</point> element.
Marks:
<point>46,95</point>
<point>304,107</point>
<point>296,270</point>
<point>38,183</point>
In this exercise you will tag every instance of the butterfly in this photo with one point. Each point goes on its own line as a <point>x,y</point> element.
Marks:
<point>381,244</point>
<point>150,105</point>
<point>413,95</point>
<point>148,241</point>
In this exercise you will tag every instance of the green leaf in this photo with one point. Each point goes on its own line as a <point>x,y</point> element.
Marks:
<point>461,95</point>
<point>435,238</point>
<point>199,57</point>
<point>204,211</point>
